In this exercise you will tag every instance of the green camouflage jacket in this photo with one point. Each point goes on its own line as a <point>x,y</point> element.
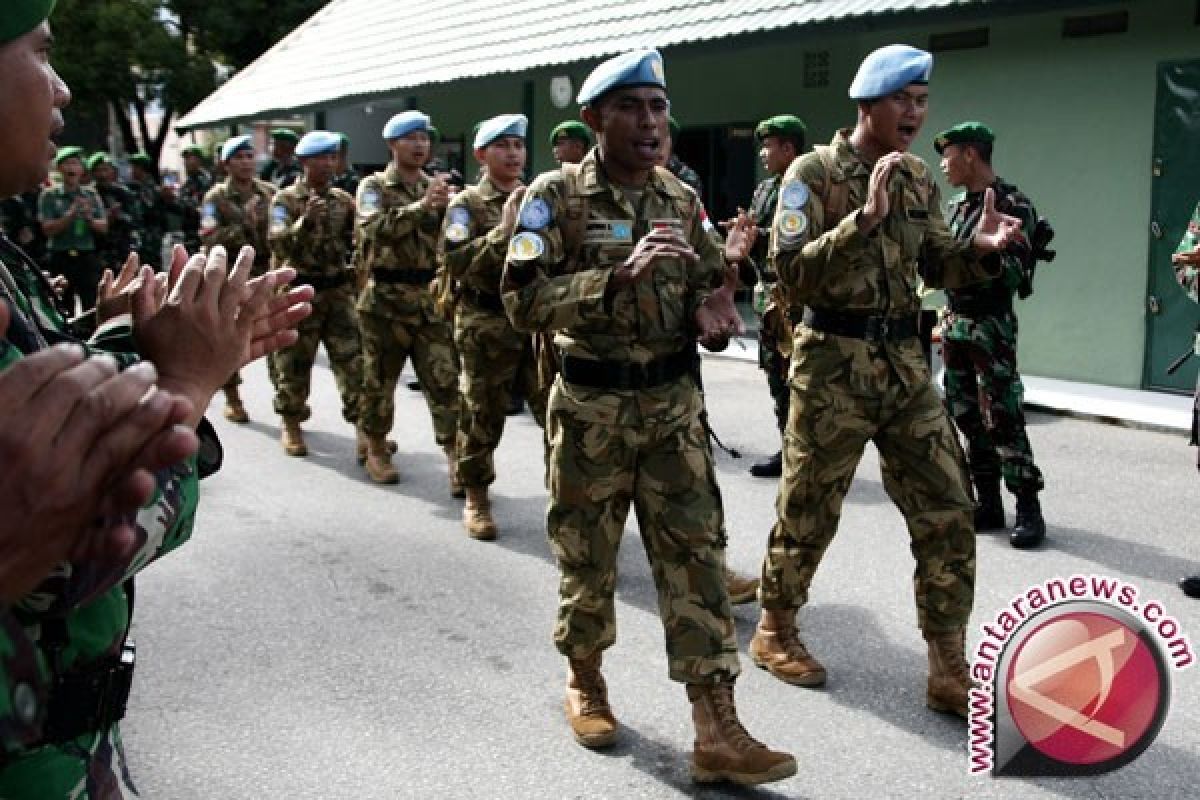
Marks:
<point>312,248</point>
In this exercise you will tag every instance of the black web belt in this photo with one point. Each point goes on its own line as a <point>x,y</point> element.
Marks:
<point>321,283</point>
<point>484,300</point>
<point>90,700</point>
<point>413,277</point>
<point>869,328</point>
<point>979,306</point>
<point>627,375</point>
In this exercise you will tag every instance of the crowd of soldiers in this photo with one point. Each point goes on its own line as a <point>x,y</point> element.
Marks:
<point>590,289</point>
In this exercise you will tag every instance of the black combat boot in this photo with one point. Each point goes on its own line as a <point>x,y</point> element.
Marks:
<point>1030,528</point>
<point>771,467</point>
<point>989,509</point>
<point>1191,585</point>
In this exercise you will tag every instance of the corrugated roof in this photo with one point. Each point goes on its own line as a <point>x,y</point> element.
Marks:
<point>354,48</point>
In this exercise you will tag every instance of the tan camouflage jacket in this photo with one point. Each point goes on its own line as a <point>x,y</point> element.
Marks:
<point>471,247</point>
<point>394,230</point>
<point>549,288</point>
<point>318,249</point>
<point>223,219</point>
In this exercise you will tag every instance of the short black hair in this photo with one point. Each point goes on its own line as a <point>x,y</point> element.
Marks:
<point>984,149</point>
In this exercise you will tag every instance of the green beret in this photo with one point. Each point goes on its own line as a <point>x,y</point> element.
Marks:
<point>786,126</point>
<point>673,125</point>
<point>98,158</point>
<point>571,129</point>
<point>194,150</point>
<point>435,135</point>
<point>963,133</point>
<point>285,133</point>
<point>142,160</point>
<point>22,16</point>
<point>345,142</point>
<point>68,152</point>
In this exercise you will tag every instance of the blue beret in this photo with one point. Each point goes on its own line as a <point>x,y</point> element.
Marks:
<point>504,125</point>
<point>889,69</point>
<point>244,142</point>
<point>405,123</point>
<point>318,143</point>
<point>635,68</point>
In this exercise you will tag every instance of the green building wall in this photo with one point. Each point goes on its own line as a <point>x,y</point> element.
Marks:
<point>1074,120</point>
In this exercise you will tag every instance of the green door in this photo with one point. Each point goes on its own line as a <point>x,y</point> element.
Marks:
<point>1171,315</point>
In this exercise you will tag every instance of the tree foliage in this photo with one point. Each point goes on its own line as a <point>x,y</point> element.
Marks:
<point>125,56</point>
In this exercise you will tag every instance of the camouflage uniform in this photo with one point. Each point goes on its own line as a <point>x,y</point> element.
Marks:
<point>1189,278</point>
<point>397,245</point>
<point>848,390</point>
<point>318,253</point>
<point>223,222</point>
<point>18,220</point>
<point>489,347</point>
<point>73,252</point>
<point>282,176</point>
<point>772,329</point>
<point>124,223</point>
<point>191,200</point>
<point>686,174</point>
<point>81,611</point>
<point>152,219</point>
<point>613,446</point>
<point>983,388</point>
<point>348,182</point>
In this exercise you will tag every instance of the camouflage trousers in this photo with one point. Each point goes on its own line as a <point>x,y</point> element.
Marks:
<point>984,394</point>
<point>91,767</point>
<point>775,364</point>
<point>393,332</point>
<point>493,357</point>
<point>606,450</point>
<point>334,324</point>
<point>923,473</point>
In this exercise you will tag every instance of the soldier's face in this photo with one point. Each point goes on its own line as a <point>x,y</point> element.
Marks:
<point>776,154</point>
<point>191,163</point>
<point>412,150</point>
<point>504,158</point>
<point>894,121</point>
<point>569,150</point>
<point>71,170</point>
<point>631,124</point>
<point>956,164</point>
<point>282,149</point>
<point>241,165</point>
<point>103,172</point>
<point>319,169</point>
<point>31,98</point>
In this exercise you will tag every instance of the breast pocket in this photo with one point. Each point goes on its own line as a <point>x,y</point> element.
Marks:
<point>670,288</point>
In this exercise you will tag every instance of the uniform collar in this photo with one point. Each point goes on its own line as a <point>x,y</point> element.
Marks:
<point>488,190</point>
<point>594,179</point>
<point>392,177</point>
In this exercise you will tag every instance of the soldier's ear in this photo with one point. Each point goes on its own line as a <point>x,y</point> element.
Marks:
<point>591,117</point>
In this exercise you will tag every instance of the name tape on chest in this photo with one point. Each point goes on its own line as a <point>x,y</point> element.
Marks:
<point>608,231</point>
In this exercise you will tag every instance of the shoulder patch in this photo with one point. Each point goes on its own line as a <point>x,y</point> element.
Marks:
<point>526,246</point>
<point>279,217</point>
<point>791,225</point>
<point>794,194</point>
<point>456,232</point>
<point>459,215</point>
<point>372,200</point>
<point>535,214</point>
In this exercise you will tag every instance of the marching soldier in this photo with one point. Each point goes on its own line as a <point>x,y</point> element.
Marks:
<point>309,224</point>
<point>400,214</point>
<point>72,217</point>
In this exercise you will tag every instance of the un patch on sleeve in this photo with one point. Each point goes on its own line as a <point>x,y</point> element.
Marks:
<point>457,232</point>
<point>526,246</point>
<point>535,214</point>
<point>279,217</point>
<point>794,195</point>
<point>791,225</point>
<point>459,215</point>
<point>371,202</point>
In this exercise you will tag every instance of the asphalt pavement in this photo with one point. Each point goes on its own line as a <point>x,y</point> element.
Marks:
<point>322,637</point>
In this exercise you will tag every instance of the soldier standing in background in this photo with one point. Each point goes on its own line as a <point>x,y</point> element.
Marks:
<point>979,342</point>
<point>479,221</point>
<point>614,258</point>
<point>196,183</point>
<point>72,217</point>
<point>675,165</point>
<point>282,169</point>
<point>570,141</point>
<point>1187,271</point>
<point>399,217</point>
<point>309,223</point>
<point>781,139</point>
<point>152,209</point>
<point>345,177</point>
<point>233,214</point>
<point>852,222</point>
<point>122,208</point>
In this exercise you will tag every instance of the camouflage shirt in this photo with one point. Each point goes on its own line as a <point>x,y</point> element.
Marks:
<point>348,182</point>
<point>191,200</point>
<point>548,288</point>
<point>312,248</point>
<point>686,174</point>
<point>281,175</point>
<point>1188,275</point>
<point>54,203</point>
<point>762,211</point>
<point>965,210</point>
<point>472,247</point>
<point>224,221</point>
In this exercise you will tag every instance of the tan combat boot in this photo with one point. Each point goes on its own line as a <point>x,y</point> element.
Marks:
<point>586,704</point>
<point>724,750</point>
<point>949,676</point>
<point>234,410</point>
<point>360,446</point>
<point>477,514</point>
<point>741,590</point>
<point>456,487</point>
<point>378,462</point>
<point>293,438</point>
<point>777,648</point>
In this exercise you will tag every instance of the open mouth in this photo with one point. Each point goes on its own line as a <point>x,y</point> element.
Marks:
<point>908,131</point>
<point>648,148</point>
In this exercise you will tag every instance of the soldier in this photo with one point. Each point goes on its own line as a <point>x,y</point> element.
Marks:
<point>479,221</point>
<point>72,216</point>
<point>153,208</point>
<point>80,513</point>
<point>196,183</point>
<point>122,237</point>
<point>309,224</point>
<point>400,214</point>
<point>853,219</point>
<point>345,176</point>
<point>1187,271</point>
<point>282,169</point>
<point>676,166</point>
<point>979,341</point>
<point>570,141</point>
<point>782,140</point>
<point>614,258</point>
<point>233,214</point>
